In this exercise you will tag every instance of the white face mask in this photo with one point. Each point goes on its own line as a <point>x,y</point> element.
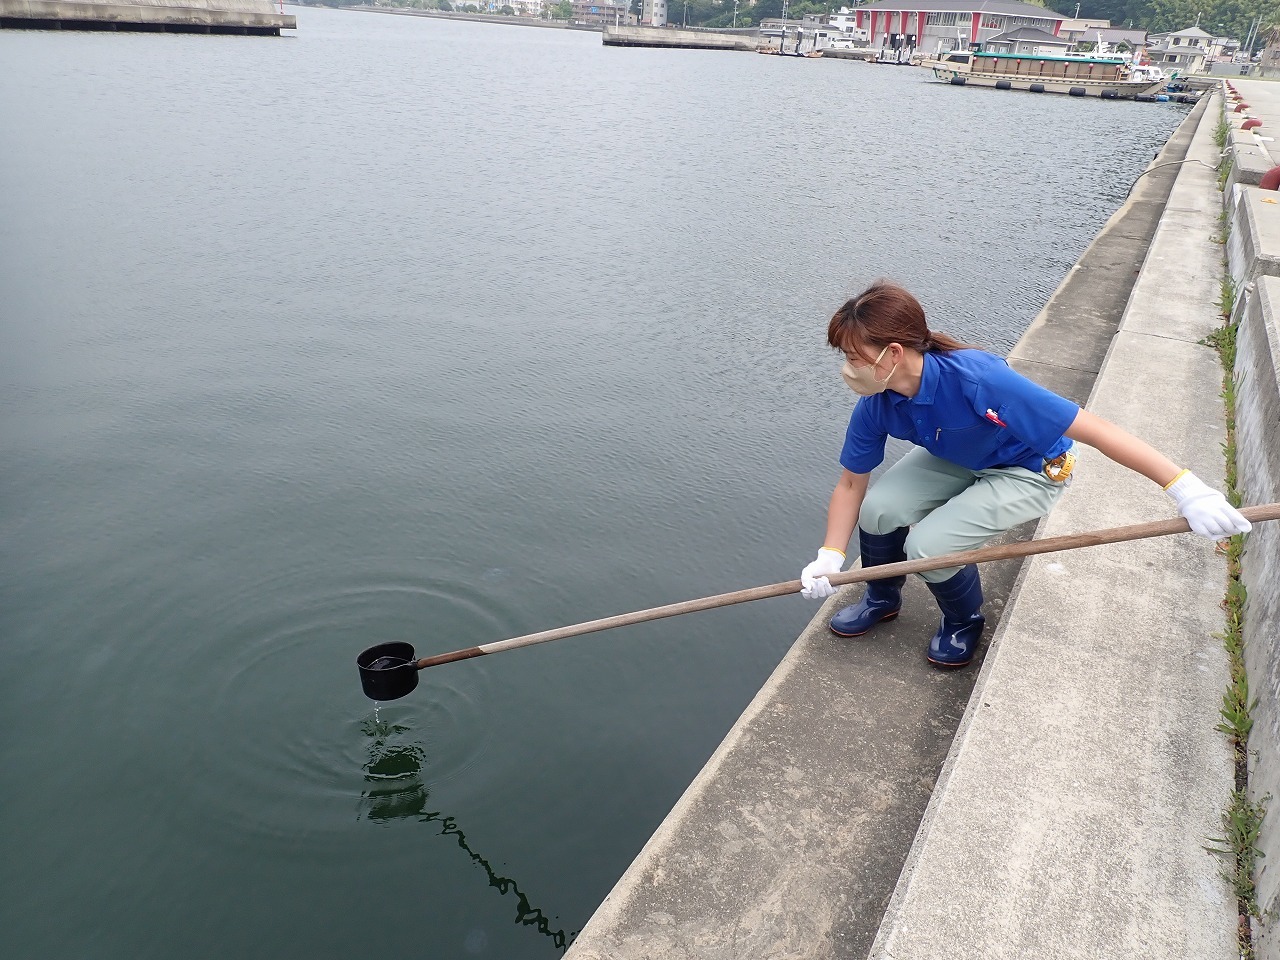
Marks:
<point>862,380</point>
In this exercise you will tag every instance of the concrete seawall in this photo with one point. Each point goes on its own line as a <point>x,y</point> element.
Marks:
<point>1253,262</point>
<point>684,39</point>
<point>793,838</point>
<point>1089,776</point>
<point>259,17</point>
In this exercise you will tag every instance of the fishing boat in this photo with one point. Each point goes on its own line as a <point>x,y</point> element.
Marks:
<point>1111,78</point>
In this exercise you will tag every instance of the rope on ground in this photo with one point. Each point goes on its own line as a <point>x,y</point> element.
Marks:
<point>1169,163</point>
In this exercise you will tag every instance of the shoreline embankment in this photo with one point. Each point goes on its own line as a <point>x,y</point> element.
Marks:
<point>1068,816</point>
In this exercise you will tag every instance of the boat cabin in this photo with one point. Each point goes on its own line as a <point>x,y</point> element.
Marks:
<point>1049,67</point>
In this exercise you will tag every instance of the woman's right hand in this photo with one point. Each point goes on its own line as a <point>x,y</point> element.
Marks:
<point>813,578</point>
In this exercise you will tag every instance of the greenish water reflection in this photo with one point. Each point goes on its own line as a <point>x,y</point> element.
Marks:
<point>400,794</point>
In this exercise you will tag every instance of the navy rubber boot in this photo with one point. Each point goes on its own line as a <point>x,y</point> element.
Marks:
<point>960,600</point>
<point>883,598</point>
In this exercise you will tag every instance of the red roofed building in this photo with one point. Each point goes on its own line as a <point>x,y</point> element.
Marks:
<point>934,26</point>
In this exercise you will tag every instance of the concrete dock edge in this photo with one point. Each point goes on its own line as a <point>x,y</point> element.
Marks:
<point>189,16</point>
<point>791,840</point>
<point>1072,814</point>
<point>1252,226</point>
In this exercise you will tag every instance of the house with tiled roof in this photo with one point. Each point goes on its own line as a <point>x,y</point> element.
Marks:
<point>939,26</point>
<point>1184,51</point>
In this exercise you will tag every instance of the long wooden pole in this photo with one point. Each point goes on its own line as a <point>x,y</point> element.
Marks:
<point>1137,531</point>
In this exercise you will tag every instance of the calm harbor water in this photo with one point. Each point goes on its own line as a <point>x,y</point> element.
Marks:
<point>441,332</point>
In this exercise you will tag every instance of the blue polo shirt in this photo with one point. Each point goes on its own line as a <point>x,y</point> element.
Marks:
<point>972,409</point>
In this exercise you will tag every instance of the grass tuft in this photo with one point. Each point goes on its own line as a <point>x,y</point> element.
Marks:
<point>1238,845</point>
<point>1242,820</point>
<point>1224,229</point>
<point>1224,171</point>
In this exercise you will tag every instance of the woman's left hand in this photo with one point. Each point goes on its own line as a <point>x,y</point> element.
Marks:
<point>1205,509</point>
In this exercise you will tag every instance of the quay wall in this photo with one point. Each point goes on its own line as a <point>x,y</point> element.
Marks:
<point>1089,776</point>
<point>1252,225</point>
<point>792,840</point>
<point>686,39</point>
<point>204,16</point>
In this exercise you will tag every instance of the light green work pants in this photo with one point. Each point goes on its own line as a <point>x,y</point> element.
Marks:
<point>951,508</point>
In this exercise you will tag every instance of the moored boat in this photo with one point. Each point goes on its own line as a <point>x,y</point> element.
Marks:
<point>1111,78</point>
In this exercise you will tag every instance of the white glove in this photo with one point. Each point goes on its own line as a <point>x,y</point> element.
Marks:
<point>1205,509</point>
<point>814,576</point>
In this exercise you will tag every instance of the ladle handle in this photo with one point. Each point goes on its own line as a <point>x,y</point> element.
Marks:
<point>1004,551</point>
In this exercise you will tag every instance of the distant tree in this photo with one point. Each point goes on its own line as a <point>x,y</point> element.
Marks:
<point>1231,18</point>
<point>444,5</point>
<point>563,10</point>
<point>766,9</point>
<point>507,10</point>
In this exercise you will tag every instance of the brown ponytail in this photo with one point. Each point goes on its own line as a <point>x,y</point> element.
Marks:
<point>886,313</point>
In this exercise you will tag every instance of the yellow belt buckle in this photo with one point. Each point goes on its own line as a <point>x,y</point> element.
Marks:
<point>1059,468</point>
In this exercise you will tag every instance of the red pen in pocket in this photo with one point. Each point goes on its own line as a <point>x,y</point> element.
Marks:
<point>995,418</point>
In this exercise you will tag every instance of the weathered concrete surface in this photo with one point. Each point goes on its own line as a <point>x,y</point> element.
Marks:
<point>688,39</point>
<point>1258,465</point>
<point>846,53</point>
<point>1251,157</point>
<point>1253,244</point>
<point>1253,152</point>
<point>791,839</point>
<point>1263,98</point>
<point>1087,775</point>
<point>257,14</point>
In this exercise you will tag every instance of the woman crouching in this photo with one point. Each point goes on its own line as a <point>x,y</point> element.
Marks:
<point>992,450</point>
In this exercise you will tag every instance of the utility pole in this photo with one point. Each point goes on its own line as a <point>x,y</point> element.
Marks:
<point>782,41</point>
<point>685,23</point>
<point>735,14</point>
<point>1077,16</point>
<point>1252,37</point>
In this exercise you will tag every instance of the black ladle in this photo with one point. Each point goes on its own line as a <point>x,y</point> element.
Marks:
<point>389,670</point>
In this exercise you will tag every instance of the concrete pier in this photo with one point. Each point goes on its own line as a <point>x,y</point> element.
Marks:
<point>685,39</point>
<point>867,54</point>
<point>257,17</point>
<point>792,840</point>
<point>1089,774</point>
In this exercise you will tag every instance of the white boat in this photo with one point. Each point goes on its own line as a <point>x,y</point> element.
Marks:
<point>1147,71</point>
<point>1111,78</point>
